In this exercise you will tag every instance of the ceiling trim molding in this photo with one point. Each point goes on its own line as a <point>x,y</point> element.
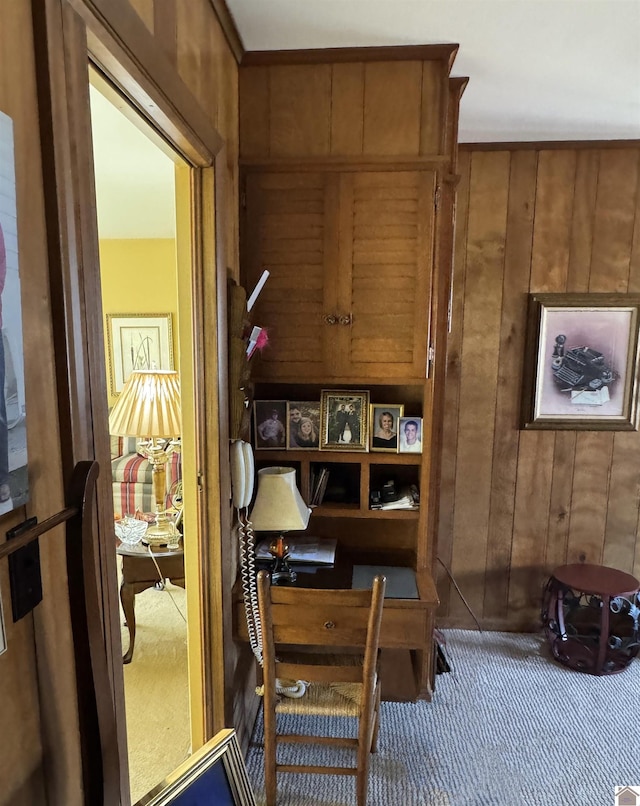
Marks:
<point>549,145</point>
<point>258,58</point>
<point>229,28</point>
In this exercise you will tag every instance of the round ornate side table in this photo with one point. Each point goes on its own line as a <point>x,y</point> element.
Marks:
<point>590,615</point>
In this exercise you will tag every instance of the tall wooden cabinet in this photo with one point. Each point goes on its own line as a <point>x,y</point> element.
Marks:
<point>348,176</point>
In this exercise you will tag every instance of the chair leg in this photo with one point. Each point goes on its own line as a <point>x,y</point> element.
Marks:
<point>269,752</point>
<point>376,722</point>
<point>362,778</point>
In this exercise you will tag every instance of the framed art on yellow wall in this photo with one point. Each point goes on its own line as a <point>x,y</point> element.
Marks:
<point>137,341</point>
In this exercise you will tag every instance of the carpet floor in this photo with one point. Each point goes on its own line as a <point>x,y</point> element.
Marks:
<point>507,726</point>
<point>156,688</point>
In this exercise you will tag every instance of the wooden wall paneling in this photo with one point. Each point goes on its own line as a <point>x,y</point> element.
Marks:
<point>576,494</point>
<point>517,267</point>
<point>531,514</point>
<point>614,220</point>
<point>434,106</point>
<point>488,199</point>
<point>347,109</point>
<point>21,720</point>
<point>621,525</point>
<point>591,479</point>
<point>300,112</point>
<point>552,227</point>
<point>148,10</point>
<point>584,206</point>
<point>448,467</point>
<point>165,27</point>
<point>560,500</point>
<point>194,31</point>
<point>634,268</point>
<point>255,112</point>
<point>392,117</point>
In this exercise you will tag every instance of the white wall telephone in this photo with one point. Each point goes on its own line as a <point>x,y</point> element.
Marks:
<point>242,483</point>
<point>242,473</point>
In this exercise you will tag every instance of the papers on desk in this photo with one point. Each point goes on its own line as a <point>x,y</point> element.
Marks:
<point>306,549</point>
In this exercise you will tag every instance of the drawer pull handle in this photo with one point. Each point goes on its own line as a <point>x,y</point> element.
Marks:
<point>330,319</point>
<point>346,320</point>
<point>329,625</point>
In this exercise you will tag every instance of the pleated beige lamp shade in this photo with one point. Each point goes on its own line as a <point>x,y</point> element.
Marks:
<point>279,507</point>
<point>148,406</point>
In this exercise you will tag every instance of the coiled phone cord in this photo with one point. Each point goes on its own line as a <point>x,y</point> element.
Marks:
<point>294,688</point>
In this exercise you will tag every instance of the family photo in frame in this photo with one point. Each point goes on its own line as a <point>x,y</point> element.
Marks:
<point>384,427</point>
<point>345,420</point>
<point>410,435</point>
<point>581,363</point>
<point>269,419</point>
<point>303,425</point>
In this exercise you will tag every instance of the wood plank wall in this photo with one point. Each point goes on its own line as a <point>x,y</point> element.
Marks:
<point>38,714</point>
<point>515,504</point>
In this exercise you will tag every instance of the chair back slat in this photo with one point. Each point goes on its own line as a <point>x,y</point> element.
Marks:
<point>300,628</point>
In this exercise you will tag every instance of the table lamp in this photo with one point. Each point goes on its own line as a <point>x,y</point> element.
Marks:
<point>149,408</point>
<point>279,507</point>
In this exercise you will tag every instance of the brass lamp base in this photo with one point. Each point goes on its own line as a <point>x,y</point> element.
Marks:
<point>161,533</point>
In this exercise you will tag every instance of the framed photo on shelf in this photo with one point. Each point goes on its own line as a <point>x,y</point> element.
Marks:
<point>344,418</point>
<point>581,362</point>
<point>137,341</point>
<point>269,424</point>
<point>410,435</point>
<point>303,425</point>
<point>384,427</point>
<point>216,773</point>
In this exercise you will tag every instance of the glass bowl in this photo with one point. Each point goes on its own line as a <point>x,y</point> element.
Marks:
<point>130,530</point>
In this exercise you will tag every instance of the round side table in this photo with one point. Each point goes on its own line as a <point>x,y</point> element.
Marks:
<point>590,615</point>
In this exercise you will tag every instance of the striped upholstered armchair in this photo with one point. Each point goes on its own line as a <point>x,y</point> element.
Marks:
<point>132,477</point>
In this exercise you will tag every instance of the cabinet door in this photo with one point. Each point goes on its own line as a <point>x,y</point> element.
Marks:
<point>350,258</point>
<point>289,229</point>
<point>385,265</point>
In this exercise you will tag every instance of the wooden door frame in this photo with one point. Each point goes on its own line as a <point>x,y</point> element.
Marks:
<point>67,34</point>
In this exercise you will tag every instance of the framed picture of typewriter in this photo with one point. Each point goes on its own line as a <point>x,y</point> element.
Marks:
<point>581,362</point>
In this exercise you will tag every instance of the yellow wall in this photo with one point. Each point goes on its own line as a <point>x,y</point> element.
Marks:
<point>138,275</point>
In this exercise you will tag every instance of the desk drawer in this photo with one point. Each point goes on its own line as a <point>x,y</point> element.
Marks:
<point>402,628</point>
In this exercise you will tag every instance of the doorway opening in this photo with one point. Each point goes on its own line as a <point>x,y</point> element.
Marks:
<point>137,177</point>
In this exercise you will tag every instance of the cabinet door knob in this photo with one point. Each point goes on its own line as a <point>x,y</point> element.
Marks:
<point>330,319</point>
<point>346,319</point>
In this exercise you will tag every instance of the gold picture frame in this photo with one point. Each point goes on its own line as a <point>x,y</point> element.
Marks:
<point>137,341</point>
<point>344,420</point>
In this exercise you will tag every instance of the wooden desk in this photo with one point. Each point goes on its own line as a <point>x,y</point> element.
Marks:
<point>139,572</point>
<point>407,624</point>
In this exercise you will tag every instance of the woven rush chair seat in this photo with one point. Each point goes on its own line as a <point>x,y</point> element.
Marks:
<point>328,638</point>
<point>324,699</point>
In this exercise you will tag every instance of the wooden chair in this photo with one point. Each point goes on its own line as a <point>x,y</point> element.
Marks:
<point>339,685</point>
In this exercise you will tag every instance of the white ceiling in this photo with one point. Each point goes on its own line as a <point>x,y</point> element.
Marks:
<point>135,187</point>
<point>538,69</point>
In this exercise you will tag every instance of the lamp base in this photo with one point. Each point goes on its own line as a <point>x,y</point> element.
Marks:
<point>282,574</point>
<point>161,533</point>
